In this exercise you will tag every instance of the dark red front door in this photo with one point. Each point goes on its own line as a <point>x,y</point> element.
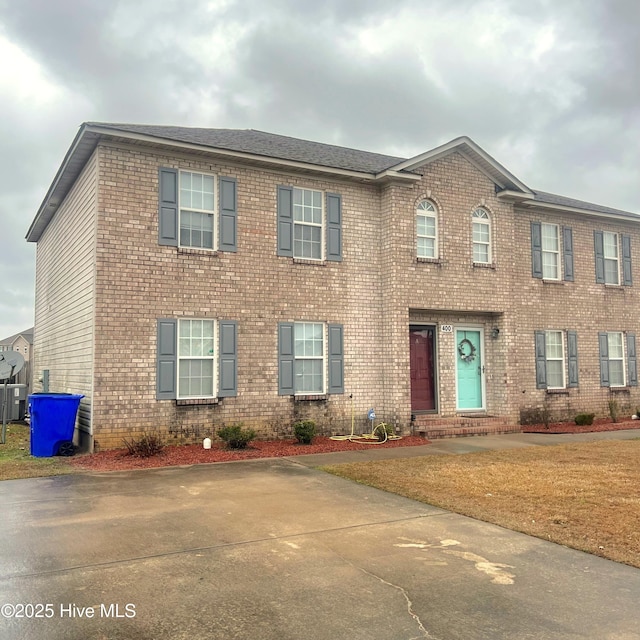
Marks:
<point>422,350</point>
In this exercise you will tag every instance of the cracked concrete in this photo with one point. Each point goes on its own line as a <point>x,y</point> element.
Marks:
<point>275,550</point>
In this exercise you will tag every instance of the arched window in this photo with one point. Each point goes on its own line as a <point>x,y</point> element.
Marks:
<point>427,230</point>
<point>481,237</point>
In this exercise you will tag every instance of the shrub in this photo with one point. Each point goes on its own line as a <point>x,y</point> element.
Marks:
<point>614,410</point>
<point>384,431</point>
<point>304,430</point>
<point>583,419</point>
<point>236,437</point>
<point>146,446</point>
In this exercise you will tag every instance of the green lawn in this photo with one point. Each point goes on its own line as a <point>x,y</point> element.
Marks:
<point>16,461</point>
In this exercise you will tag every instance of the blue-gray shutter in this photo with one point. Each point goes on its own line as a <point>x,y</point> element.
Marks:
<point>632,365</point>
<point>285,221</point>
<point>536,250</point>
<point>228,215</point>
<point>228,359</point>
<point>336,358</point>
<point>627,278</point>
<point>166,359</point>
<point>572,350</point>
<point>334,227</point>
<point>604,359</point>
<point>541,360</point>
<point>567,253</point>
<point>598,243</point>
<point>168,207</point>
<point>285,359</point>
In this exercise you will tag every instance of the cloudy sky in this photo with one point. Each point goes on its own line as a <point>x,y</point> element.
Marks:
<point>549,88</point>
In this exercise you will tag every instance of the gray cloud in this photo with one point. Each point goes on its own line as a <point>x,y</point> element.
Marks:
<point>550,89</point>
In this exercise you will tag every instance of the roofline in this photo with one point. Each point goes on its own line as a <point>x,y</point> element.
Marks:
<point>530,204</point>
<point>468,148</point>
<point>56,180</point>
<point>86,129</point>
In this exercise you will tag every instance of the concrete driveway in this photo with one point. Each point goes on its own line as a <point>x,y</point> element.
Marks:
<point>276,550</point>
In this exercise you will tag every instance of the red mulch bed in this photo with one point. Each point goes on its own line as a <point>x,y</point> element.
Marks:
<point>601,424</point>
<point>119,459</point>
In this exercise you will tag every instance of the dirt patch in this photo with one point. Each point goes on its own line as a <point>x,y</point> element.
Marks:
<point>119,459</point>
<point>602,424</point>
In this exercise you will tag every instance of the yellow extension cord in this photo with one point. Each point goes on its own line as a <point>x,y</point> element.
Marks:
<point>366,438</point>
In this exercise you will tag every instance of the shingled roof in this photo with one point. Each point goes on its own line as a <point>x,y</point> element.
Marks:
<point>269,145</point>
<point>249,145</point>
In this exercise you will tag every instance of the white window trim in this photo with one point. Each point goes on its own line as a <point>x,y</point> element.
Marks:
<point>322,225</point>
<point>213,358</point>
<point>606,258</point>
<point>213,213</point>
<point>622,358</point>
<point>426,213</point>
<point>557,253</point>
<point>489,244</point>
<point>562,359</point>
<point>324,358</point>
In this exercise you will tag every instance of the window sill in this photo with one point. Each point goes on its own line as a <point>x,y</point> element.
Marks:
<point>309,397</point>
<point>184,402</point>
<point>429,260</point>
<point>197,252</point>
<point>626,390</point>
<point>315,263</point>
<point>558,392</point>
<point>614,287</point>
<point>484,265</point>
<point>552,282</point>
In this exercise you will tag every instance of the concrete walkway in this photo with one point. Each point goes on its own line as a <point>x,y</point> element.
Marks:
<point>464,445</point>
<point>278,550</point>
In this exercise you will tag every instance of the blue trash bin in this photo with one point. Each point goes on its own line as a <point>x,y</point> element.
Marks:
<point>53,419</point>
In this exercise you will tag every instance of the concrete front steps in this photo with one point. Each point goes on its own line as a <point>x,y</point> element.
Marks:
<point>433,427</point>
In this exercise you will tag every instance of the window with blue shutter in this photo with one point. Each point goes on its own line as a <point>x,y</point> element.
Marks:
<point>285,359</point>
<point>190,207</point>
<point>603,343</point>
<point>598,245</point>
<point>304,221</point>
<point>187,356</point>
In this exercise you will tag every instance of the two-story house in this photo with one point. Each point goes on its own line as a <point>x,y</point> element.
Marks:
<point>197,277</point>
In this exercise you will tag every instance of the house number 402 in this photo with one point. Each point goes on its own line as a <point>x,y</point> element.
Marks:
<point>446,328</point>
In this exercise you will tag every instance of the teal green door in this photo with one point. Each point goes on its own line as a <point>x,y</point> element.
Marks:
<point>469,369</point>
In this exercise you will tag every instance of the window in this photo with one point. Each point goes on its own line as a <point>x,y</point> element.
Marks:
<point>310,358</point>
<point>550,252</point>
<point>610,253</point>
<point>613,258</point>
<point>617,368</point>
<point>555,359</point>
<point>427,230</point>
<point>307,224</point>
<point>481,237</point>
<point>197,211</point>
<point>556,366</point>
<point>196,359</point>
<point>197,198</point>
